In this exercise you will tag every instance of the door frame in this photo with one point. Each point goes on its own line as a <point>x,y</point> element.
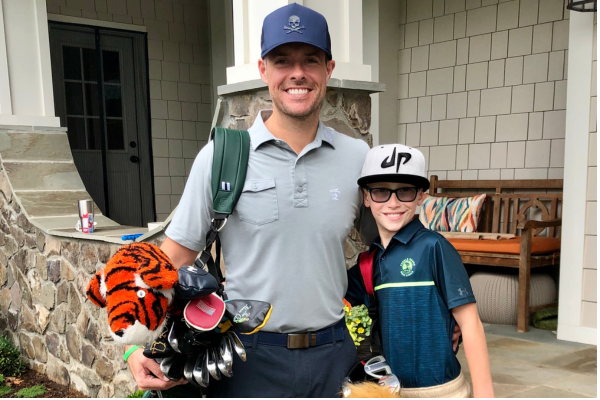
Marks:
<point>142,102</point>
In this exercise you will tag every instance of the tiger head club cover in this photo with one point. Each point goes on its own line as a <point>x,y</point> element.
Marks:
<point>204,314</point>
<point>136,287</point>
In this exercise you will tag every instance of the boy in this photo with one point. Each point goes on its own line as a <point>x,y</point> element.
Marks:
<point>420,283</point>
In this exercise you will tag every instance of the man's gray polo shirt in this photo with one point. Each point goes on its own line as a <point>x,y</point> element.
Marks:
<point>284,242</point>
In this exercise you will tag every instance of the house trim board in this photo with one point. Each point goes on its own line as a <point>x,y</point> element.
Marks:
<point>5,100</point>
<point>94,22</point>
<point>581,29</point>
<point>45,65</point>
<point>579,334</point>
<point>29,120</point>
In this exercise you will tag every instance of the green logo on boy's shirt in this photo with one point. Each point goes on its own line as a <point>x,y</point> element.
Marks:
<point>407,266</point>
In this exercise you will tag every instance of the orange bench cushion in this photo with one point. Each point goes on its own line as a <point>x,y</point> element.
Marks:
<point>539,245</point>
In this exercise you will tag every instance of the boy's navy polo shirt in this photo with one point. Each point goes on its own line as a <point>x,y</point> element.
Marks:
<point>418,279</point>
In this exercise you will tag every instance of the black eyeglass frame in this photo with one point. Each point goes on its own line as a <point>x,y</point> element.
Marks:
<point>394,191</point>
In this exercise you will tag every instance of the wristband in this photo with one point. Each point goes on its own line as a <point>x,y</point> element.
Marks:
<point>129,352</point>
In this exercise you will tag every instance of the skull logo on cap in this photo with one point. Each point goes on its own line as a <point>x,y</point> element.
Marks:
<point>294,25</point>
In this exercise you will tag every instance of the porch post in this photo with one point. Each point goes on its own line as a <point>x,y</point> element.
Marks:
<point>26,96</point>
<point>570,327</point>
<point>344,18</point>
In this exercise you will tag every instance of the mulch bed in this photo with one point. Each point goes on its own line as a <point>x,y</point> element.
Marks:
<point>31,378</point>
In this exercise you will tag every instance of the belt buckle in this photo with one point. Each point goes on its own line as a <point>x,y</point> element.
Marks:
<point>301,340</point>
<point>298,341</point>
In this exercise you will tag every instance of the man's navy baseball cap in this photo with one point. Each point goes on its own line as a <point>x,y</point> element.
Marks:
<point>294,24</point>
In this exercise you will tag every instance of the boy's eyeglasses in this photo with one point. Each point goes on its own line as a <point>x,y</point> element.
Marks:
<point>403,194</point>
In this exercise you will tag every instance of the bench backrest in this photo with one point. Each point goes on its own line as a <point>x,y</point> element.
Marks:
<point>508,202</point>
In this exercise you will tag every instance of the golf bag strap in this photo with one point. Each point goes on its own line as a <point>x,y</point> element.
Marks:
<point>230,163</point>
<point>365,262</point>
<point>206,258</point>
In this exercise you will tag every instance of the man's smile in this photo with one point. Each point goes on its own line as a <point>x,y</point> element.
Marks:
<point>297,91</point>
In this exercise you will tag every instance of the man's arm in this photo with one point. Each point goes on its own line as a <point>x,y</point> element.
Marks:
<point>475,349</point>
<point>145,371</point>
<point>178,254</point>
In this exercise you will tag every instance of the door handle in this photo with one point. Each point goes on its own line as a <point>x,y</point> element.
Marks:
<point>134,159</point>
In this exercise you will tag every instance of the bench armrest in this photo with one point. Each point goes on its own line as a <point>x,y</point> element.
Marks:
<point>530,224</point>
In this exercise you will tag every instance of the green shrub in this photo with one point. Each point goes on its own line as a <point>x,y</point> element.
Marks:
<point>33,391</point>
<point>136,395</point>
<point>10,361</point>
<point>4,390</point>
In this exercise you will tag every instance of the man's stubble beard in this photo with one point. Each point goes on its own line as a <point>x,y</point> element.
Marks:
<point>314,108</point>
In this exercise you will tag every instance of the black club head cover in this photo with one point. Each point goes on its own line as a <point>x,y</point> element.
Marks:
<point>160,348</point>
<point>248,316</point>
<point>188,343</point>
<point>195,283</point>
<point>172,367</point>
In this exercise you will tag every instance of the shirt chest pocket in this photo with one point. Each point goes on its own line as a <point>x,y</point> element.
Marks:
<point>258,202</point>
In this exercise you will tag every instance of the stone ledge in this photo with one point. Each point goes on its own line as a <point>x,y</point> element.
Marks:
<point>370,87</point>
<point>110,234</point>
<point>31,128</point>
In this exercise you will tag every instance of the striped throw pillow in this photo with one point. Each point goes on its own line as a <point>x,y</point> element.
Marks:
<point>451,214</point>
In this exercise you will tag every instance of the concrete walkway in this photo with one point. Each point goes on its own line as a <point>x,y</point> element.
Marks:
<point>536,364</point>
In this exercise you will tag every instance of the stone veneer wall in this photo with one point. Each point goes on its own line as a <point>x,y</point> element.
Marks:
<point>43,307</point>
<point>346,111</point>
<point>44,310</point>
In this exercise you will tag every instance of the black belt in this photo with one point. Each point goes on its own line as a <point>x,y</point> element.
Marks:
<point>298,340</point>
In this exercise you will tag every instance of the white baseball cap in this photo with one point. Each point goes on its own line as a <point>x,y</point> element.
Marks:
<point>394,163</point>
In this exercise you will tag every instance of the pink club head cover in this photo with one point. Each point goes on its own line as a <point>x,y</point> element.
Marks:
<point>204,314</point>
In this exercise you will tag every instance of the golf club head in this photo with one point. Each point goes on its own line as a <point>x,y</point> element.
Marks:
<point>377,367</point>
<point>212,363</point>
<point>172,367</point>
<point>188,368</point>
<point>390,382</point>
<point>205,372</point>
<point>199,370</point>
<point>172,338</point>
<point>227,353</point>
<point>224,368</point>
<point>238,347</point>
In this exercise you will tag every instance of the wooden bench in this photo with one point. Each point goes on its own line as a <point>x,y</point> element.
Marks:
<point>506,211</point>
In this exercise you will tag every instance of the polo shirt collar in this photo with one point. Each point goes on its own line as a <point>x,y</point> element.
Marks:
<point>404,235</point>
<point>259,133</point>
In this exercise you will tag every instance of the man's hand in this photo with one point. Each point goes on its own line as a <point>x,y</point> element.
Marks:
<point>147,374</point>
<point>456,336</point>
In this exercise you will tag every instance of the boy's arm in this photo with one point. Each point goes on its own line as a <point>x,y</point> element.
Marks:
<point>475,349</point>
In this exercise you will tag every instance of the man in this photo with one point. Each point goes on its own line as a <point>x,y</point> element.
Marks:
<point>284,242</point>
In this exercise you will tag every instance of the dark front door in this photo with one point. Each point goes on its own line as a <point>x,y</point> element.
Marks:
<point>100,95</point>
